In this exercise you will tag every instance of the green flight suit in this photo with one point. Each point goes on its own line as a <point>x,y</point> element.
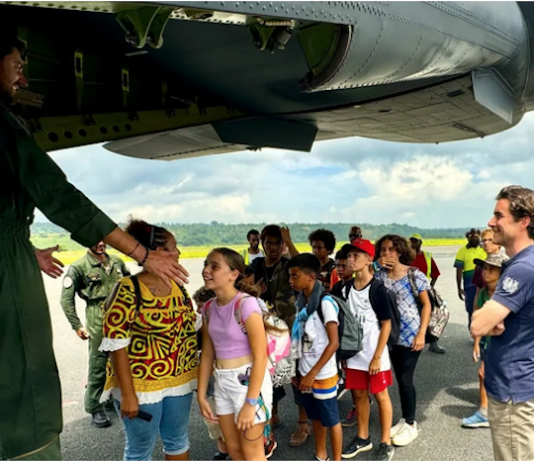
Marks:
<point>93,281</point>
<point>30,394</point>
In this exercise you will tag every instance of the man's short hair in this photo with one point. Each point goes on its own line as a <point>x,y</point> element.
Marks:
<point>271,231</point>
<point>306,262</point>
<point>472,231</point>
<point>521,204</point>
<point>341,255</point>
<point>325,236</point>
<point>8,44</point>
<point>252,232</point>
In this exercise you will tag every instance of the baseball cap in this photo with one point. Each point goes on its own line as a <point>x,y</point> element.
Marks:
<point>495,259</point>
<point>416,236</point>
<point>363,245</point>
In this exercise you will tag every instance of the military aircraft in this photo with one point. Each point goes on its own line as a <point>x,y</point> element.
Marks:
<point>169,80</point>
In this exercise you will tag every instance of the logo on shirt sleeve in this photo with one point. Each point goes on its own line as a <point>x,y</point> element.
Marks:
<point>510,285</point>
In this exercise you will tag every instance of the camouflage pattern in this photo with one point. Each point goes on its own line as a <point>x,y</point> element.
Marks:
<point>279,293</point>
<point>92,281</point>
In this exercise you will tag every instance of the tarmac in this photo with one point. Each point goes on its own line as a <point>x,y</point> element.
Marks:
<point>447,391</point>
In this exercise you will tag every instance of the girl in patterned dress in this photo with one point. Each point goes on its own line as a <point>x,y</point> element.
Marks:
<point>149,331</point>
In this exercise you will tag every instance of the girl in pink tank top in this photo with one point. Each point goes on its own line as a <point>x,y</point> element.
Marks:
<point>243,396</point>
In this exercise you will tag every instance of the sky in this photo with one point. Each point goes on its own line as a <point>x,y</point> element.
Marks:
<point>351,180</point>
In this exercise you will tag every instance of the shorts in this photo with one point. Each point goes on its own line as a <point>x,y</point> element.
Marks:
<point>362,380</point>
<point>321,403</point>
<point>230,394</point>
<point>170,419</point>
<point>214,430</point>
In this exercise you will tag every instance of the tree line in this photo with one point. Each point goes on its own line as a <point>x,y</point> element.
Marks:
<point>216,234</point>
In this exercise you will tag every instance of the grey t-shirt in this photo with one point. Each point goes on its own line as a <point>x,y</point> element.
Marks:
<point>510,358</point>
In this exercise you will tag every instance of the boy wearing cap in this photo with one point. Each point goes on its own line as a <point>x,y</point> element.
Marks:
<point>369,371</point>
<point>491,272</point>
<point>425,263</point>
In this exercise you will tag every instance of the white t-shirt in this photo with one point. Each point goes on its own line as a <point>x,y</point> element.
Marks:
<point>315,340</point>
<point>253,256</point>
<point>361,307</point>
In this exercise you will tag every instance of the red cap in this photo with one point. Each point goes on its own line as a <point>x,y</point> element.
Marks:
<point>365,246</point>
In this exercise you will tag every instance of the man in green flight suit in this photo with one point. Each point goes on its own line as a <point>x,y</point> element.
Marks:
<point>30,393</point>
<point>92,277</point>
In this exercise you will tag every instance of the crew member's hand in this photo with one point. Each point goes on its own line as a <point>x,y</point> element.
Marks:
<point>47,263</point>
<point>205,410</point>
<point>418,342</point>
<point>374,367</point>
<point>164,265</point>
<point>461,294</point>
<point>129,406</point>
<point>245,419</point>
<point>82,333</point>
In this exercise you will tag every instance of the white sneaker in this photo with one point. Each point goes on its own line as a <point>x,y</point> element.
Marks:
<point>397,428</point>
<point>406,435</point>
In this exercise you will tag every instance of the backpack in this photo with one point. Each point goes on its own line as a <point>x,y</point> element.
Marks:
<point>281,354</point>
<point>439,315</point>
<point>349,329</point>
<point>394,314</point>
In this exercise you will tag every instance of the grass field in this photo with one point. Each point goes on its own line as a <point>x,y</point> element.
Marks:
<point>68,257</point>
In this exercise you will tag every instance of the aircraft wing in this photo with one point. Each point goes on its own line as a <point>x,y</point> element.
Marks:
<point>167,80</point>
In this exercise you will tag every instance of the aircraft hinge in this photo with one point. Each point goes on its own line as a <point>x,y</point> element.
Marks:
<point>145,25</point>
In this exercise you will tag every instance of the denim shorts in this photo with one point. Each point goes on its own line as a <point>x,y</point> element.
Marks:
<point>170,419</point>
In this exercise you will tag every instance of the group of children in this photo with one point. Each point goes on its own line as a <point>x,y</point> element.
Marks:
<point>151,334</point>
<point>374,296</point>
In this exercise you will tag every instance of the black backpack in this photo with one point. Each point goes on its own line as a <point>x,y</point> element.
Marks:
<point>376,286</point>
<point>349,329</point>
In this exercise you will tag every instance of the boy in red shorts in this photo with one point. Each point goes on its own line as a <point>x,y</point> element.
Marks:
<point>370,370</point>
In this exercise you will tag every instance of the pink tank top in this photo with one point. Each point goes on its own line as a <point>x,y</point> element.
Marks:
<point>228,339</point>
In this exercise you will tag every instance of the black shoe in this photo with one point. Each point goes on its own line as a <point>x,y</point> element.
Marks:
<point>435,348</point>
<point>356,446</point>
<point>385,452</point>
<point>101,419</point>
<point>221,456</point>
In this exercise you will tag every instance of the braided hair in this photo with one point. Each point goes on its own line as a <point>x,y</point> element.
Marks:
<point>150,236</point>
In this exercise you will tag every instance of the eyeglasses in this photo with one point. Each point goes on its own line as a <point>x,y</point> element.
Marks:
<point>354,236</point>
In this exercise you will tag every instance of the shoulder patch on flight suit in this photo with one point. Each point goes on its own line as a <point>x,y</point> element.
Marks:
<point>67,282</point>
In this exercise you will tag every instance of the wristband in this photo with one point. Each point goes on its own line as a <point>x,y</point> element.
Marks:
<point>133,251</point>
<point>252,401</point>
<point>146,257</point>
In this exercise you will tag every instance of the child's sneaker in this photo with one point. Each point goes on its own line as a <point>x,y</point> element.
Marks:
<point>356,446</point>
<point>407,434</point>
<point>385,452</point>
<point>398,427</point>
<point>477,420</point>
<point>351,419</point>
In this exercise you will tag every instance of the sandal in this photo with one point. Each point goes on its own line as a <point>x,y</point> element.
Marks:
<point>317,458</point>
<point>301,434</point>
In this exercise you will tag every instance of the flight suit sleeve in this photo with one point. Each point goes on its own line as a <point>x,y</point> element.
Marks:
<point>47,187</point>
<point>71,284</point>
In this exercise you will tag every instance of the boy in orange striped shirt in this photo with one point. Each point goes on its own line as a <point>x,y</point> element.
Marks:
<point>317,340</point>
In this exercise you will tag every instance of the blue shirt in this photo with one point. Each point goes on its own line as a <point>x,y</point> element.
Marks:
<point>509,361</point>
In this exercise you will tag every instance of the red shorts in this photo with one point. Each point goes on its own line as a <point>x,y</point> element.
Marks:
<point>361,380</point>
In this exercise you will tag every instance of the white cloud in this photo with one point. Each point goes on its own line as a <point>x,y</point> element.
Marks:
<point>348,180</point>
